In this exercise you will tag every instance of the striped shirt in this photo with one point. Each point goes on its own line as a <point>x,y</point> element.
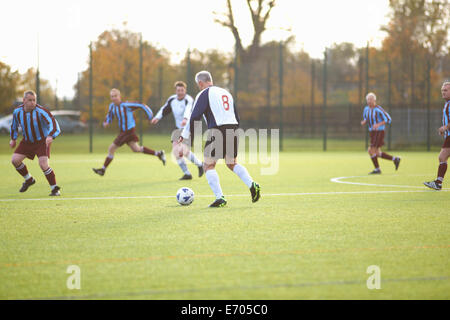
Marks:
<point>36,124</point>
<point>376,115</point>
<point>446,118</point>
<point>124,114</point>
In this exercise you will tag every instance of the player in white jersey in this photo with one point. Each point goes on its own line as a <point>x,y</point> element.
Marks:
<point>218,108</point>
<point>180,105</point>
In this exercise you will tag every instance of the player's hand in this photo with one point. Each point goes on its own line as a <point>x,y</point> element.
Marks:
<point>375,126</point>
<point>12,143</point>
<point>442,130</point>
<point>154,121</point>
<point>49,140</point>
<point>183,123</point>
<point>363,122</point>
<point>105,124</point>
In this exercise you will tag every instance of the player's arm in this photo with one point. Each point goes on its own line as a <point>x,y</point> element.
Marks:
<point>197,111</point>
<point>53,126</point>
<point>163,111</point>
<point>14,130</point>
<point>443,129</point>
<point>109,116</point>
<point>144,107</point>
<point>384,119</point>
<point>187,111</point>
<point>364,120</point>
<point>236,115</point>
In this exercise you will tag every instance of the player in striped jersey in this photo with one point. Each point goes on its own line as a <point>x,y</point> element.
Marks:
<point>39,128</point>
<point>445,132</point>
<point>218,108</point>
<point>123,111</point>
<point>180,105</point>
<point>376,118</point>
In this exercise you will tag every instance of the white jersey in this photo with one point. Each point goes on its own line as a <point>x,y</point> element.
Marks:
<point>180,108</point>
<point>216,105</point>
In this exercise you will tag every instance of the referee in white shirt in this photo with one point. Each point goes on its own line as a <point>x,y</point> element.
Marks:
<point>217,107</point>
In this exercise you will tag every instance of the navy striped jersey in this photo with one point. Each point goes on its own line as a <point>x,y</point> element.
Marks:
<point>216,105</point>
<point>376,115</point>
<point>446,118</point>
<point>36,124</point>
<point>124,114</point>
<point>180,108</point>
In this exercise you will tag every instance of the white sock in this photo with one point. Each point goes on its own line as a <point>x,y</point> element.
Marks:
<point>53,186</point>
<point>214,183</point>
<point>183,166</point>
<point>27,176</point>
<point>194,159</point>
<point>243,174</point>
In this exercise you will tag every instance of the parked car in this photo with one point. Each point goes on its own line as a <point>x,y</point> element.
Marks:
<point>5,124</point>
<point>69,121</point>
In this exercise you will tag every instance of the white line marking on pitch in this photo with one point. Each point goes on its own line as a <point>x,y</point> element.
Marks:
<point>338,180</point>
<point>230,195</point>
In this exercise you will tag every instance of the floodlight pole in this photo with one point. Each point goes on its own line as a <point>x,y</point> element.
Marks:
<point>324,108</point>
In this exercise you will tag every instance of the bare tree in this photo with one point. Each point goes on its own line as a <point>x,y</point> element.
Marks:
<point>260,13</point>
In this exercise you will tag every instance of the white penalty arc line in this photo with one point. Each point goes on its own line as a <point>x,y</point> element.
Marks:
<point>338,180</point>
<point>231,195</point>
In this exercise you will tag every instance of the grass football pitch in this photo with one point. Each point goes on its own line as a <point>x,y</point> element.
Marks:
<point>311,236</point>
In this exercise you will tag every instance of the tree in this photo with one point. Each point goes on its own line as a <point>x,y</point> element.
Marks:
<point>417,32</point>
<point>115,57</point>
<point>8,87</point>
<point>260,12</point>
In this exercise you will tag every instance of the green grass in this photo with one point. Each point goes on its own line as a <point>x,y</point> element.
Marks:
<point>306,246</point>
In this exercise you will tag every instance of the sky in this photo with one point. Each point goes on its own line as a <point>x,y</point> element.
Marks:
<point>57,33</point>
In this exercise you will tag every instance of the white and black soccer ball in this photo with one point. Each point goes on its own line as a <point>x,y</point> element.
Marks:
<point>185,196</point>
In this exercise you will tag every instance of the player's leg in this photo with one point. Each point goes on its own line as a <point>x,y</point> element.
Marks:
<point>176,149</point>
<point>21,168</point>
<point>191,156</point>
<point>242,173</point>
<point>137,148</point>
<point>373,156</point>
<point>49,174</point>
<point>214,183</point>
<point>109,158</point>
<point>385,156</point>
<point>442,169</point>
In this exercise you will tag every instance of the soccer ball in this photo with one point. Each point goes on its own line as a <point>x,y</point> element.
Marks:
<point>185,196</point>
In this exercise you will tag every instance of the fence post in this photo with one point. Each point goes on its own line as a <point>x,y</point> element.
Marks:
<point>313,82</point>
<point>38,87</point>
<point>389,102</point>
<point>90,98</point>
<point>280,107</point>
<point>324,107</point>
<point>141,113</point>
<point>269,84</point>
<point>160,85</point>
<point>236,75</point>
<point>367,88</point>
<point>428,105</point>
<point>189,70</point>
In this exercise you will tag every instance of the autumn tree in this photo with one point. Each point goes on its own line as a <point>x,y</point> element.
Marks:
<point>9,81</point>
<point>116,65</point>
<point>417,33</point>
